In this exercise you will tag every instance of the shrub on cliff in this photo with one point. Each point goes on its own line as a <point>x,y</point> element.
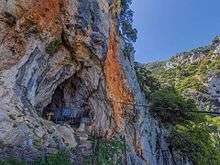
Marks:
<point>59,158</point>
<point>197,143</point>
<point>106,151</point>
<point>125,23</point>
<point>12,161</point>
<point>147,82</point>
<point>170,107</point>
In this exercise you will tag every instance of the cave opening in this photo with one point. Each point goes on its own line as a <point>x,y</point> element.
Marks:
<point>69,104</point>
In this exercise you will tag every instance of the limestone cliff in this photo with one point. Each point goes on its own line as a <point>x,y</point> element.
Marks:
<point>69,53</point>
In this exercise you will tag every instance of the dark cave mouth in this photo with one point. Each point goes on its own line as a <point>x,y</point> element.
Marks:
<point>68,105</point>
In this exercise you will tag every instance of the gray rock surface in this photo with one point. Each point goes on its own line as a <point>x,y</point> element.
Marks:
<point>69,54</point>
<point>214,90</point>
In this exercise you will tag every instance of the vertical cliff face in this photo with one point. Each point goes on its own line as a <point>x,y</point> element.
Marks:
<point>58,54</point>
<point>117,91</point>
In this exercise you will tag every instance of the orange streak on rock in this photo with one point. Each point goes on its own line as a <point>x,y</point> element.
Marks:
<point>45,14</point>
<point>117,91</point>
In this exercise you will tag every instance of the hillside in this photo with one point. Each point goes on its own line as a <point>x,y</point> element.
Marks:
<point>196,74</point>
<point>180,90</point>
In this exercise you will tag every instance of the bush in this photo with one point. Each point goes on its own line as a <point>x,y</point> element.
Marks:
<point>106,152</point>
<point>59,158</point>
<point>128,49</point>
<point>147,82</point>
<point>128,31</point>
<point>196,143</point>
<point>170,107</point>
<point>12,161</point>
<point>215,65</point>
<point>191,83</point>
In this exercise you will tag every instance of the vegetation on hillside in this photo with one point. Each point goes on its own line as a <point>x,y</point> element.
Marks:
<point>192,134</point>
<point>106,151</point>
<point>193,76</point>
<point>168,106</point>
<point>59,158</point>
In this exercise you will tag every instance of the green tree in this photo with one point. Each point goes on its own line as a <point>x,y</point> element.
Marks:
<point>126,28</point>
<point>170,107</point>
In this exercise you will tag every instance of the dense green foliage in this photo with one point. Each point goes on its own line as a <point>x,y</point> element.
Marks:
<point>170,107</point>
<point>106,152</point>
<point>147,82</point>
<point>128,33</point>
<point>192,135</point>
<point>197,143</point>
<point>126,19</point>
<point>59,158</point>
<point>12,162</point>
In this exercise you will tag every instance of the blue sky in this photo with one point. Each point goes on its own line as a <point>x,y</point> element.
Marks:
<point>166,27</point>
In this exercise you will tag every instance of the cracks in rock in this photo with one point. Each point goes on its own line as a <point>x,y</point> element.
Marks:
<point>21,90</point>
<point>67,45</point>
<point>3,39</point>
<point>9,19</point>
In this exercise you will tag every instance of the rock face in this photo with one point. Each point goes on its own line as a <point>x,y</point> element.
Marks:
<point>68,53</point>
<point>214,91</point>
<point>195,55</point>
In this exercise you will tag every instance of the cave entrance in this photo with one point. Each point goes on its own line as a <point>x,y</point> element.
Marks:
<point>69,104</point>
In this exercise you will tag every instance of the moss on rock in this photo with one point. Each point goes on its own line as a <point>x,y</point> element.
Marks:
<point>53,46</point>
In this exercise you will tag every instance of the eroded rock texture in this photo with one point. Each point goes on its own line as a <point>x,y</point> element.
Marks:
<point>214,91</point>
<point>68,53</point>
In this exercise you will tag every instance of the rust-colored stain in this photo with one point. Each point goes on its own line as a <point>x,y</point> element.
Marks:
<point>45,15</point>
<point>117,91</point>
<point>42,14</point>
<point>15,44</point>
